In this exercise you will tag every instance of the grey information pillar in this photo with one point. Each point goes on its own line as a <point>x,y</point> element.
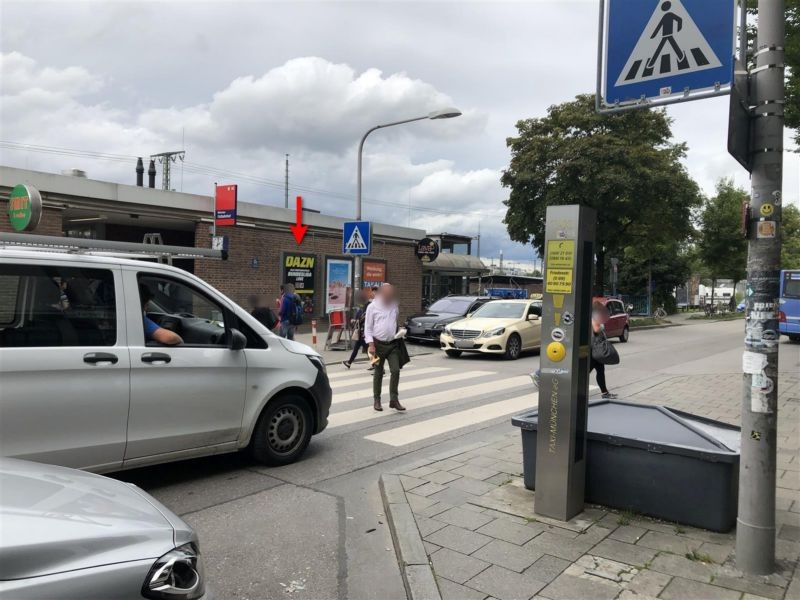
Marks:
<point>564,379</point>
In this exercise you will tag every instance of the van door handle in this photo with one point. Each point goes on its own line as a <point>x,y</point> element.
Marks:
<point>156,357</point>
<point>94,358</point>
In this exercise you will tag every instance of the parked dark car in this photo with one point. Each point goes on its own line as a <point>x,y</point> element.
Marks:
<point>427,326</point>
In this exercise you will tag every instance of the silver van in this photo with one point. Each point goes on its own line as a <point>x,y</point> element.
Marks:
<point>82,385</point>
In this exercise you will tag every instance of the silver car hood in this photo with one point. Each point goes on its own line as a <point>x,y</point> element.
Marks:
<point>54,519</point>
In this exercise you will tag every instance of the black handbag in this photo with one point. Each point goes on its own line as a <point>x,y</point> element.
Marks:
<point>603,351</point>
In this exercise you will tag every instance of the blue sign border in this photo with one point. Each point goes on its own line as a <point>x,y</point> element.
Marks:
<point>624,22</point>
<point>347,231</point>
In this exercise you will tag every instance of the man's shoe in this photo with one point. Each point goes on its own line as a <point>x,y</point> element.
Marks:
<point>395,404</point>
<point>371,368</point>
<point>377,405</point>
<point>608,396</point>
<point>346,363</point>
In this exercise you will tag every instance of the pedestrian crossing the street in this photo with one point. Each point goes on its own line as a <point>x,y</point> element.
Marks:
<point>449,390</point>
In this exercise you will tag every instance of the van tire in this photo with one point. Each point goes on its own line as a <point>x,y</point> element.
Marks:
<point>625,333</point>
<point>283,431</point>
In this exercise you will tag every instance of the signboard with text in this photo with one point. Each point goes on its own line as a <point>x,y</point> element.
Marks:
<point>225,201</point>
<point>300,270</point>
<point>373,273</point>
<point>24,207</point>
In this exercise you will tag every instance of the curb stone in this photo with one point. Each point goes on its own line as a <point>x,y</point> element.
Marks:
<point>418,577</point>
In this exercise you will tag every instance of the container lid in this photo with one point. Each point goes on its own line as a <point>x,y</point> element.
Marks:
<point>654,428</point>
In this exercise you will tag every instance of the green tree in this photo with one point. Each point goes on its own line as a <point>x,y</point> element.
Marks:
<point>625,165</point>
<point>790,237</point>
<point>721,245</point>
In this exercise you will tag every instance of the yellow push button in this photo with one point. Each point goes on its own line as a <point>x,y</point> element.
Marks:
<point>556,351</point>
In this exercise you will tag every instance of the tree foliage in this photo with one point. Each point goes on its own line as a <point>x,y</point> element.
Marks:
<point>721,245</point>
<point>625,165</point>
<point>790,237</point>
<point>792,61</point>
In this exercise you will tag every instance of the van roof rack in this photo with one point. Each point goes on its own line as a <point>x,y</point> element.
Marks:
<point>151,249</point>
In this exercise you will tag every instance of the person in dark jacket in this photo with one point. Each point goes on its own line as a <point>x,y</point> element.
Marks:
<point>287,309</point>
<point>262,313</point>
<point>367,296</point>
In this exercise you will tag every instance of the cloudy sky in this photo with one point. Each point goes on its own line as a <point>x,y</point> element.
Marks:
<point>240,84</point>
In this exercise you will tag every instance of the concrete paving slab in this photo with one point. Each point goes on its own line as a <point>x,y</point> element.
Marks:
<point>456,566</point>
<point>458,539</point>
<point>681,589</point>
<point>506,585</point>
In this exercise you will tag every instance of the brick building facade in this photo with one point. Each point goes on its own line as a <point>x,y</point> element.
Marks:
<point>257,245</point>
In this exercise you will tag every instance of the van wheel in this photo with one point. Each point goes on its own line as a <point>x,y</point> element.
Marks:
<point>625,333</point>
<point>513,347</point>
<point>282,432</point>
<point>453,353</point>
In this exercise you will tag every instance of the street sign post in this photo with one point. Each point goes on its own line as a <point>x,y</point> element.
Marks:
<point>356,238</point>
<point>656,52</point>
<point>566,346</point>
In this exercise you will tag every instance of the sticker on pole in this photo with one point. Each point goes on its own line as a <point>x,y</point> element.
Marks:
<point>663,51</point>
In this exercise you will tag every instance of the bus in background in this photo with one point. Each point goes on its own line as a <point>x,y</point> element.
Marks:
<point>790,304</point>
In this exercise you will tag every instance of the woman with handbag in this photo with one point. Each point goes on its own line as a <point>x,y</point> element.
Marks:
<point>603,352</point>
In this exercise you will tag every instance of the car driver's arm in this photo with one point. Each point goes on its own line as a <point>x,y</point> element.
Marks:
<point>166,337</point>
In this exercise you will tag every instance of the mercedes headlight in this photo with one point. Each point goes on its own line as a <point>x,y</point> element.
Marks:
<point>178,575</point>
<point>437,326</point>
<point>494,332</point>
<point>448,331</point>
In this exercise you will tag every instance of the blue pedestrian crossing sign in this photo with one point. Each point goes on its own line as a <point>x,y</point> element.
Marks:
<point>657,52</point>
<point>356,238</point>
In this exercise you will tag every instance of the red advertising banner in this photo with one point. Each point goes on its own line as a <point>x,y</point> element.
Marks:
<point>373,273</point>
<point>225,205</point>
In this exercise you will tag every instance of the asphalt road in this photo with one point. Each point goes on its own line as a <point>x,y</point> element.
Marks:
<point>316,529</point>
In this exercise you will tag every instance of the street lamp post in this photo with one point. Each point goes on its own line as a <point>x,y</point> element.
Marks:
<point>447,113</point>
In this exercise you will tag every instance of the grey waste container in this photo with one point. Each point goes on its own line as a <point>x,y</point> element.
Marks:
<point>654,461</point>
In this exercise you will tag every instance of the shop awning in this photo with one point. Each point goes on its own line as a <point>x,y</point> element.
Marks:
<point>456,263</point>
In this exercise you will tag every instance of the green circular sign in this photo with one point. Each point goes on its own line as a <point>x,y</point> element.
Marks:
<point>24,208</point>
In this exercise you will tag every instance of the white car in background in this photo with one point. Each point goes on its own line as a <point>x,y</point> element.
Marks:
<point>506,327</point>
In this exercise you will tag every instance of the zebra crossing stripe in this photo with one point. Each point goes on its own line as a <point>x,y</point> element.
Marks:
<point>421,430</point>
<point>360,369</point>
<point>358,415</point>
<point>365,377</point>
<point>404,387</point>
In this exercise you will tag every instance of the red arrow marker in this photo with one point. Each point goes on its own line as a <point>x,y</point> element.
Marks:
<point>299,230</point>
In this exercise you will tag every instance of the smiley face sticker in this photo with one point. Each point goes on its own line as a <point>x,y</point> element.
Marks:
<point>767,209</point>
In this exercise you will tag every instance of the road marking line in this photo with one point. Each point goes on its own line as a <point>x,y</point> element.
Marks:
<point>404,387</point>
<point>359,368</point>
<point>357,415</point>
<point>414,432</point>
<point>367,377</point>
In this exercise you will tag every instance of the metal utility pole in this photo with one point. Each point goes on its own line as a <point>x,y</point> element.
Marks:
<point>166,159</point>
<point>755,525</point>
<point>286,185</point>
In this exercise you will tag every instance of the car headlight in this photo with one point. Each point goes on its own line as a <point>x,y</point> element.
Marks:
<point>318,362</point>
<point>494,332</point>
<point>448,331</point>
<point>438,326</point>
<point>178,575</point>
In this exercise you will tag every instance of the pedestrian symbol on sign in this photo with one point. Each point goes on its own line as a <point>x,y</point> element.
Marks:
<point>356,241</point>
<point>670,43</point>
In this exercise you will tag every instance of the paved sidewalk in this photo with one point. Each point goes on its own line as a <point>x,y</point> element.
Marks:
<point>465,520</point>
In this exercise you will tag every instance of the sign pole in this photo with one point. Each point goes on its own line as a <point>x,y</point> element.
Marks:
<point>755,529</point>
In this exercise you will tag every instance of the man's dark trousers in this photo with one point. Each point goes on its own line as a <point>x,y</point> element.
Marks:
<point>387,352</point>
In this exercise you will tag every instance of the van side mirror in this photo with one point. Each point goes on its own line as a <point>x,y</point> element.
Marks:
<point>237,340</point>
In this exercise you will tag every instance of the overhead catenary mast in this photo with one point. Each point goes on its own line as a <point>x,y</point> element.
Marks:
<point>166,159</point>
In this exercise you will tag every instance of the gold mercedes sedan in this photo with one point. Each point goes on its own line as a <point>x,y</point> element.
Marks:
<point>498,327</point>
